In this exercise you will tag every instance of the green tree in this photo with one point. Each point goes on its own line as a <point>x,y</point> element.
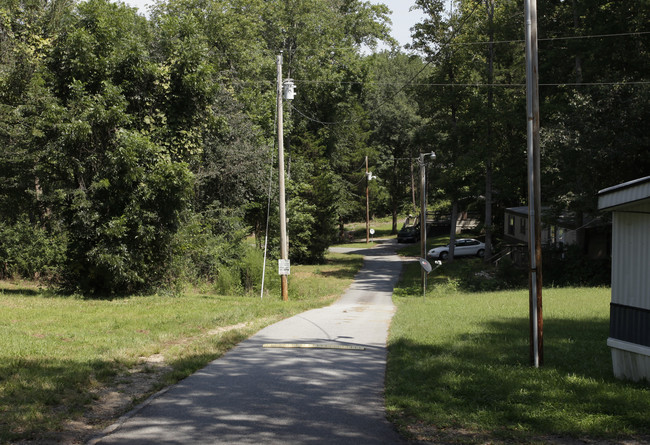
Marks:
<point>598,60</point>
<point>33,242</point>
<point>328,127</point>
<point>120,193</point>
<point>478,61</point>
<point>397,126</point>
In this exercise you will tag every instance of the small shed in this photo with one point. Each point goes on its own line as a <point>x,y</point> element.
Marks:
<point>629,328</point>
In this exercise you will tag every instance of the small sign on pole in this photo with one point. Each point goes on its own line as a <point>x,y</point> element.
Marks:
<point>284,267</point>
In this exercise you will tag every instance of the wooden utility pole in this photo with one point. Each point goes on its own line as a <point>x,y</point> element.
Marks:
<point>534,186</point>
<point>284,250</point>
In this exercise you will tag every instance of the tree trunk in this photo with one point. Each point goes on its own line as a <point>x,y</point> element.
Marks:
<point>452,231</point>
<point>489,141</point>
<point>413,188</point>
<point>394,211</point>
<point>578,60</point>
<point>397,195</point>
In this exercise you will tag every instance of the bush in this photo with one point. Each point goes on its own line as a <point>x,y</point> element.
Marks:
<point>511,276</point>
<point>211,248</point>
<point>251,267</point>
<point>473,275</point>
<point>570,267</point>
<point>122,225</point>
<point>30,251</point>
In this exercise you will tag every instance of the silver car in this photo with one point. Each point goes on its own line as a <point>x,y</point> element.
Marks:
<point>462,247</point>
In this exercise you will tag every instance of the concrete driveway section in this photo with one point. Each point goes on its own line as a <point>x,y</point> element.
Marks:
<point>276,387</point>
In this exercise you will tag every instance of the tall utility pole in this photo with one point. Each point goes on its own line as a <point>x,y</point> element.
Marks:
<point>423,214</point>
<point>534,187</point>
<point>367,205</point>
<point>423,218</point>
<point>284,250</point>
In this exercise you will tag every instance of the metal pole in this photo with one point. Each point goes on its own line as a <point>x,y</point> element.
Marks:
<point>534,186</point>
<point>423,219</point>
<point>284,254</point>
<point>367,206</point>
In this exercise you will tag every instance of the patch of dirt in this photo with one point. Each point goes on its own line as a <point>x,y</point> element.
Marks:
<point>115,399</point>
<point>423,433</point>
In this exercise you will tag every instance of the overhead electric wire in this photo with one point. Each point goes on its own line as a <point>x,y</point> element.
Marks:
<point>404,85</point>
<point>478,84</point>
<point>552,39</point>
<point>450,42</point>
<point>268,215</point>
<point>313,119</point>
<point>433,57</point>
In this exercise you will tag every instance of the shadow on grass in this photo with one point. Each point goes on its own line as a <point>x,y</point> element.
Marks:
<point>37,396</point>
<point>465,274</point>
<point>54,292</point>
<point>346,266</point>
<point>482,381</point>
<point>344,274</point>
<point>379,232</point>
<point>27,292</point>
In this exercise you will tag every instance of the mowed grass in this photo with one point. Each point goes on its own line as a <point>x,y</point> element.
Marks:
<point>382,226</point>
<point>56,352</point>
<point>458,368</point>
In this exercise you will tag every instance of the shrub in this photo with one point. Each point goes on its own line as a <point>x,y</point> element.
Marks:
<point>30,251</point>
<point>122,225</point>
<point>251,269</point>
<point>211,248</point>
<point>570,267</point>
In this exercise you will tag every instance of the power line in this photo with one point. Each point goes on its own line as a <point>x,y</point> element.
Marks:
<point>595,36</point>
<point>436,84</point>
<point>303,49</point>
<point>313,119</point>
<point>433,57</point>
<point>473,84</point>
<point>552,39</point>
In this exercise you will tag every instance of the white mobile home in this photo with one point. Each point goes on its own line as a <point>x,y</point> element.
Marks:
<point>516,228</point>
<point>629,336</point>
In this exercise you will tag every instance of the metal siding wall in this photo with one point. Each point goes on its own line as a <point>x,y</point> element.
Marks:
<point>630,324</point>
<point>625,195</point>
<point>631,258</point>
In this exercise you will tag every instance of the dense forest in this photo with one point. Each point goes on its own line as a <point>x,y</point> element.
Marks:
<point>139,152</point>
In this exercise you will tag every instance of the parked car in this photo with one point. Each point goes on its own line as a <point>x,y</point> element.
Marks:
<point>410,231</point>
<point>462,247</point>
<point>409,234</point>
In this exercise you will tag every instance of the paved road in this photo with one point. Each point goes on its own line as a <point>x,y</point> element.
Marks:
<point>257,394</point>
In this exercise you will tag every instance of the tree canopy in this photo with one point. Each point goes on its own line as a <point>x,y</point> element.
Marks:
<point>137,150</point>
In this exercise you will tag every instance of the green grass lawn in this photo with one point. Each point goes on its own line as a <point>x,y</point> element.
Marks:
<point>458,367</point>
<point>382,226</point>
<point>56,352</point>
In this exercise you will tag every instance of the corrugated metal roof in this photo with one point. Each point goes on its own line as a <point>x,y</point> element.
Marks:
<point>522,210</point>
<point>626,193</point>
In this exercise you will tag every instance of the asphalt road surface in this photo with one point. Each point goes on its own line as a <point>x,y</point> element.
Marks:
<point>276,388</point>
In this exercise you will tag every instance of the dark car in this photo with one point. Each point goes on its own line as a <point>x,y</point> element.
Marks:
<point>410,233</point>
